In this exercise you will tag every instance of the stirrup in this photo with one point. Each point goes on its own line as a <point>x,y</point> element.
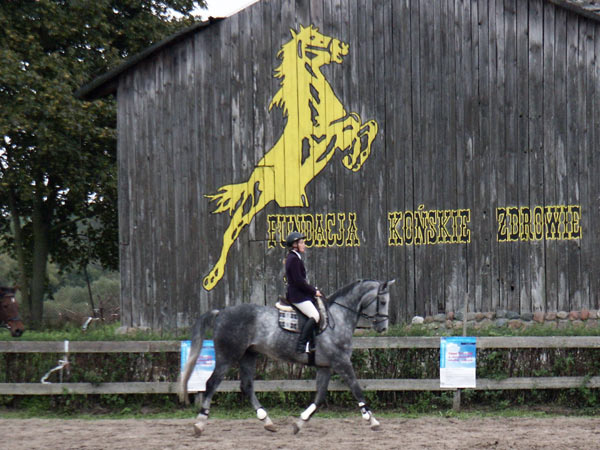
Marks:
<point>306,348</point>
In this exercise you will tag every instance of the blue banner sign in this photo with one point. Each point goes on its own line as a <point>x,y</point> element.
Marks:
<point>458,362</point>
<point>205,364</point>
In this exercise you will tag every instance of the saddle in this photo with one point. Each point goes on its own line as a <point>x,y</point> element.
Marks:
<point>291,319</point>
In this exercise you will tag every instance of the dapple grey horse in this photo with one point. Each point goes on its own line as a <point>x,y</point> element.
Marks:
<point>242,332</point>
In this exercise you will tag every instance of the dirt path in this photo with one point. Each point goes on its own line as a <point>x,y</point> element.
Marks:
<point>430,433</point>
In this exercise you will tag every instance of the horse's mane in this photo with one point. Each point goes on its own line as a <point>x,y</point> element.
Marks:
<point>343,291</point>
<point>288,50</point>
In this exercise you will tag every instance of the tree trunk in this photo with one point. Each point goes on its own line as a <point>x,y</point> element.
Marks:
<point>40,259</point>
<point>23,282</point>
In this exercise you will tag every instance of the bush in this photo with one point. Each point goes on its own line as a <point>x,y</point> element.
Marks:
<point>71,303</point>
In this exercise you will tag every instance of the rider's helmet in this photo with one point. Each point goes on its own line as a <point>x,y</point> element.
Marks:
<point>294,236</point>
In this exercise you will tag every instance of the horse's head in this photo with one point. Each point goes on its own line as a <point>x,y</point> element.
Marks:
<point>9,312</point>
<point>374,307</point>
<point>317,48</point>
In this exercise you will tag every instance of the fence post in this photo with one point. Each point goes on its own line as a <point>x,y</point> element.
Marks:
<point>457,393</point>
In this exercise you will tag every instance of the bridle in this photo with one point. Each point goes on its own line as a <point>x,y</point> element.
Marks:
<point>376,318</point>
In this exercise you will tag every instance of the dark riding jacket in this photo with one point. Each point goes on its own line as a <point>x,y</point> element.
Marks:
<point>298,288</point>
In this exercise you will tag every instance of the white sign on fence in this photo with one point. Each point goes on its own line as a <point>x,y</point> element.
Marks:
<point>458,362</point>
<point>205,364</point>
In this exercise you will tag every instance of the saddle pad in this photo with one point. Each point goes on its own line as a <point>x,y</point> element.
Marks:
<point>288,320</point>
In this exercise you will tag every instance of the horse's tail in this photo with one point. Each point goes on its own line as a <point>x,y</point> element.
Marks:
<point>204,321</point>
<point>228,196</point>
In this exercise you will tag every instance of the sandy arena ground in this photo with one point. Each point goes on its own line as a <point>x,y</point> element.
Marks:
<point>430,433</point>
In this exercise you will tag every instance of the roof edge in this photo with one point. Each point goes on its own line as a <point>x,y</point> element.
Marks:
<point>589,10</point>
<point>106,83</point>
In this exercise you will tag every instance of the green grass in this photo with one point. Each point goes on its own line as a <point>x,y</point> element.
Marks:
<point>95,332</point>
<point>99,332</point>
<point>325,413</point>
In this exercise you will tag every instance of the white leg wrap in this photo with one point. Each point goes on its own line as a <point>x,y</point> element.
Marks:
<point>308,412</point>
<point>364,411</point>
<point>261,414</point>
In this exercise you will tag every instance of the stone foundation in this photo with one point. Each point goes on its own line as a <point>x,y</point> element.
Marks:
<point>502,318</point>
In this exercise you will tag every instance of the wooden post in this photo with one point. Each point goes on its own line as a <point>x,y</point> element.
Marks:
<point>457,393</point>
<point>456,400</point>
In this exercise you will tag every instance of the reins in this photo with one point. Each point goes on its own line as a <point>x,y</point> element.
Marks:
<point>375,318</point>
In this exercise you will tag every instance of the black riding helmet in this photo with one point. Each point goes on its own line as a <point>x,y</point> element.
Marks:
<point>294,236</point>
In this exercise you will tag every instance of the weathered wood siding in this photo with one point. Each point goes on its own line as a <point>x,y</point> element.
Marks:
<point>481,105</point>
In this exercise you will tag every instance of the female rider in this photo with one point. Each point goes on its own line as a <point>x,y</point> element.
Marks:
<point>299,292</point>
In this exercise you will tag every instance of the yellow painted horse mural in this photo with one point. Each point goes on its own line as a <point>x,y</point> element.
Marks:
<point>317,126</point>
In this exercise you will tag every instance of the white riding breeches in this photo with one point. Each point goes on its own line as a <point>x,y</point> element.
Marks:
<point>308,309</point>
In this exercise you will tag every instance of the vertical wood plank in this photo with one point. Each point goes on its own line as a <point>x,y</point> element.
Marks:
<point>586,163</point>
<point>462,23</point>
<point>523,154</point>
<point>496,144</point>
<point>512,286</point>
<point>125,135</point>
<point>574,100</point>
<point>485,189</point>
<point>591,238</point>
<point>452,275</point>
<point>549,151</point>
<point>400,166</point>
<point>560,97</point>
<point>535,145</point>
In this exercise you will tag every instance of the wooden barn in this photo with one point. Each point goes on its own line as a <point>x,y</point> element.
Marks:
<point>450,144</point>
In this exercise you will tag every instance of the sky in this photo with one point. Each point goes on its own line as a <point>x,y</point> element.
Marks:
<point>224,8</point>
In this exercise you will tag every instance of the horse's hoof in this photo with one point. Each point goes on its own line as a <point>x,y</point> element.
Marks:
<point>375,425</point>
<point>269,425</point>
<point>297,426</point>
<point>199,428</point>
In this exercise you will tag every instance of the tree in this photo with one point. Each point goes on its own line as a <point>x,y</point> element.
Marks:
<point>58,154</point>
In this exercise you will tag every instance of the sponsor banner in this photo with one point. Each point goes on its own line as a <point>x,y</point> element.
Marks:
<point>457,362</point>
<point>205,364</point>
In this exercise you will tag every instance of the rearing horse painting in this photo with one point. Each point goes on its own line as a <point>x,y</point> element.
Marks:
<point>317,125</point>
<point>9,312</point>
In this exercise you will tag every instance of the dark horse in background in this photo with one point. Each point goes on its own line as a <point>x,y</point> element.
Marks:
<point>242,332</point>
<point>9,312</point>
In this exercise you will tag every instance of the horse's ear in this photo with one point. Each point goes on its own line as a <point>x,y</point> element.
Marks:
<point>387,284</point>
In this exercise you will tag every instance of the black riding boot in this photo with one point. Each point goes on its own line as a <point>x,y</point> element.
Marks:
<point>305,335</point>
